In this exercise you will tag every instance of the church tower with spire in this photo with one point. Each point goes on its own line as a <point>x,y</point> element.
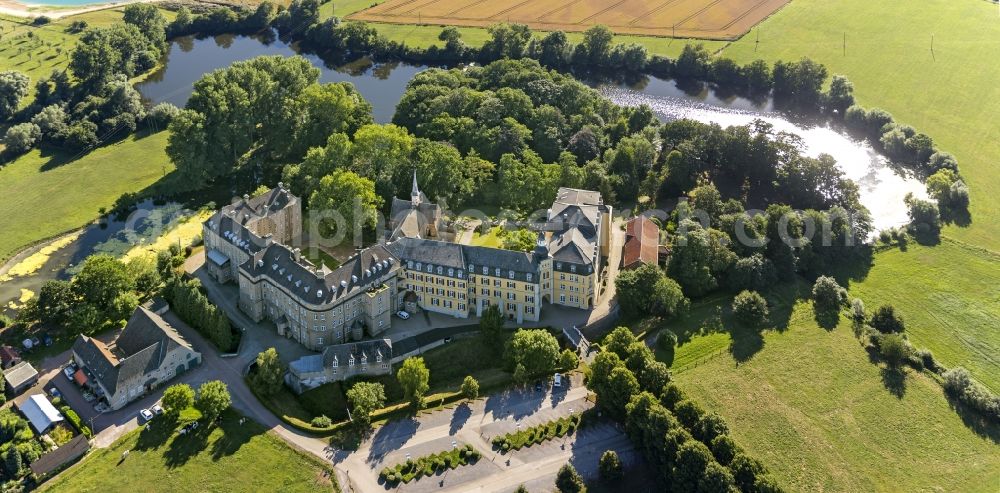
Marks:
<point>415,192</point>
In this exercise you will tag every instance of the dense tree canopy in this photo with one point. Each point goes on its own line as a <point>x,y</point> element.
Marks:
<point>13,86</point>
<point>239,115</point>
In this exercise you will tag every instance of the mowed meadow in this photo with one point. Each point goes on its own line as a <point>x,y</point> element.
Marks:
<point>809,402</point>
<point>48,194</point>
<point>823,417</point>
<point>948,293</point>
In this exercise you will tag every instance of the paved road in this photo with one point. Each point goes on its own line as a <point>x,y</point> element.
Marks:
<point>476,423</point>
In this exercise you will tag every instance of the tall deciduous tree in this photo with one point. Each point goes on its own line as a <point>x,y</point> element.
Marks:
<point>414,376</point>
<point>365,397</point>
<point>537,350</point>
<point>178,398</point>
<point>268,377</point>
<point>349,195</point>
<point>238,112</point>
<point>213,398</point>
<point>13,86</point>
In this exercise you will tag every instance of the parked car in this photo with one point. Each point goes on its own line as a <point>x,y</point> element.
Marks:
<point>101,407</point>
<point>146,414</point>
<point>35,342</point>
<point>47,340</point>
<point>157,410</point>
<point>557,382</point>
<point>447,340</point>
<point>69,370</point>
<point>402,314</point>
<point>54,392</point>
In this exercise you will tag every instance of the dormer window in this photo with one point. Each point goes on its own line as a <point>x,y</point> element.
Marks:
<point>440,270</point>
<point>451,272</point>
<point>471,268</point>
<point>510,274</point>
<point>572,268</point>
<point>529,277</point>
<point>409,264</point>
<point>350,362</point>
<point>430,268</point>
<point>336,363</point>
<point>486,270</point>
<point>498,271</point>
<point>419,265</point>
<point>461,274</point>
<point>378,357</point>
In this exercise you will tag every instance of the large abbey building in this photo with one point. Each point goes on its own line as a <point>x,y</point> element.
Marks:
<point>250,242</point>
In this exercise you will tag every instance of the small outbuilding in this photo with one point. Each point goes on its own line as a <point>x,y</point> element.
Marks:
<point>56,459</point>
<point>20,377</point>
<point>642,243</point>
<point>9,357</point>
<point>40,413</point>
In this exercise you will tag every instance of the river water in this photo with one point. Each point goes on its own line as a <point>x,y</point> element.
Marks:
<point>882,189</point>
<point>188,58</point>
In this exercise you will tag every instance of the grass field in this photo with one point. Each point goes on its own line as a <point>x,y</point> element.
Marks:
<point>231,457</point>
<point>949,296</point>
<point>52,194</point>
<point>822,417</point>
<point>38,50</point>
<point>718,19</point>
<point>950,94</point>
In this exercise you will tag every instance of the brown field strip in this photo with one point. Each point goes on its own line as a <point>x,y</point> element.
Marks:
<point>709,19</point>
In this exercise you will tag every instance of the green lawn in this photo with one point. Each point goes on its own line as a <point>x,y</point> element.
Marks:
<point>491,239</point>
<point>952,94</point>
<point>47,194</point>
<point>231,457</point>
<point>822,417</point>
<point>448,365</point>
<point>425,36</point>
<point>949,296</point>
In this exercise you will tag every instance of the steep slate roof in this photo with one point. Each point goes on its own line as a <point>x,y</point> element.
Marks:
<point>642,238</point>
<point>572,247</point>
<point>277,263</point>
<point>237,222</point>
<point>140,349</point>
<point>343,352</point>
<point>460,257</point>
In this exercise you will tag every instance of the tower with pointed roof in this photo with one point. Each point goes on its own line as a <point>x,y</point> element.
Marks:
<point>415,192</point>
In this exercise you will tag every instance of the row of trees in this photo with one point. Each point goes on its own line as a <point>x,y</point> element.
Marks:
<point>188,302</point>
<point>883,333</point>
<point>212,399</point>
<point>689,448</point>
<point>101,104</point>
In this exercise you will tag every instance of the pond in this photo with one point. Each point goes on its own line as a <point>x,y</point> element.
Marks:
<point>188,58</point>
<point>882,189</point>
<point>113,235</point>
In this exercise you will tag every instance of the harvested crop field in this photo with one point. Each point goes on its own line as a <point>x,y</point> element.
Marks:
<point>710,19</point>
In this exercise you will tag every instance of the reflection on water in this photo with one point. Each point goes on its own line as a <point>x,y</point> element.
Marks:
<point>116,237</point>
<point>882,189</point>
<point>188,58</point>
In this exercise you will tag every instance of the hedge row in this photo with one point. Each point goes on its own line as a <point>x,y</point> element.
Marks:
<point>74,419</point>
<point>429,464</point>
<point>537,434</point>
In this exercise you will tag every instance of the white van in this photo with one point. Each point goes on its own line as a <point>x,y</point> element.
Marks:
<point>558,381</point>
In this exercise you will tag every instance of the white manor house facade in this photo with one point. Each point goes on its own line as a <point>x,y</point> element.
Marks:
<point>250,242</point>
